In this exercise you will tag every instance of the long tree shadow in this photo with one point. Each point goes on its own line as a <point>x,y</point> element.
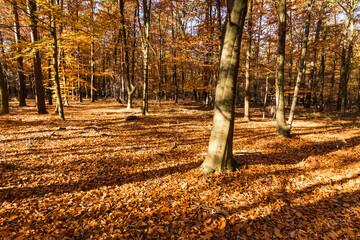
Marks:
<point>109,176</point>
<point>296,155</point>
<point>307,217</point>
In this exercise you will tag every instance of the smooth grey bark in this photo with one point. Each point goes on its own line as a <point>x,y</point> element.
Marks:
<point>39,87</point>
<point>59,104</point>
<point>219,156</point>
<point>19,59</point>
<point>3,93</point>
<point>247,65</point>
<point>282,128</point>
<point>301,62</point>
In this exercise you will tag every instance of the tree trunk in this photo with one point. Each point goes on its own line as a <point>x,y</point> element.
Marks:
<point>49,91</point>
<point>145,50</point>
<point>247,65</point>
<point>59,104</point>
<point>39,88</point>
<point>301,63</point>
<point>19,59</point>
<point>129,86</point>
<point>130,97</point>
<point>332,80</point>
<point>266,95</point>
<point>281,127</point>
<point>92,55</point>
<point>313,62</point>
<point>3,93</point>
<point>219,156</point>
<point>348,52</point>
<point>257,87</point>
<point>322,81</point>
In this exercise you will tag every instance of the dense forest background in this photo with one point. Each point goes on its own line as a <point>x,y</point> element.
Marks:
<point>170,50</point>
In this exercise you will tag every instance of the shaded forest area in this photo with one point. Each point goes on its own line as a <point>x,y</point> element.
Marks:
<point>115,115</point>
<point>102,176</point>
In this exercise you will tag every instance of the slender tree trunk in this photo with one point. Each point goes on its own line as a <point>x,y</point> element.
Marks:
<point>219,23</point>
<point>257,87</point>
<point>19,59</point>
<point>160,61</point>
<point>348,52</point>
<point>145,109</point>
<point>59,104</point>
<point>129,86</point>
<point>301,63</point>
<point>267,81</point>
<point>145,50</point>
<point>49,91</point>
<point>65,84</point>
<point>322,81</point>
<point>247,65</point>
<point>92,55</point>
<point>174,76</point>
<point>133,60</point>
<point>288,98</point>
<point>313,62</point>
<point>322,75</point>
<point>332,79</point>
<point>266,95</point>
<point>39,87</point>
<point>281,127</point>
<point>219,157</point>
<point>3,93</point>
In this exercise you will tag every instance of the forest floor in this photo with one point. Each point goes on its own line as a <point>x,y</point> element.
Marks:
<point>97,175</point>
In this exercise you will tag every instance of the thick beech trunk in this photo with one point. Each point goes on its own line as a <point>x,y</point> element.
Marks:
<point>219,156</point>
<point>281,127</point>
